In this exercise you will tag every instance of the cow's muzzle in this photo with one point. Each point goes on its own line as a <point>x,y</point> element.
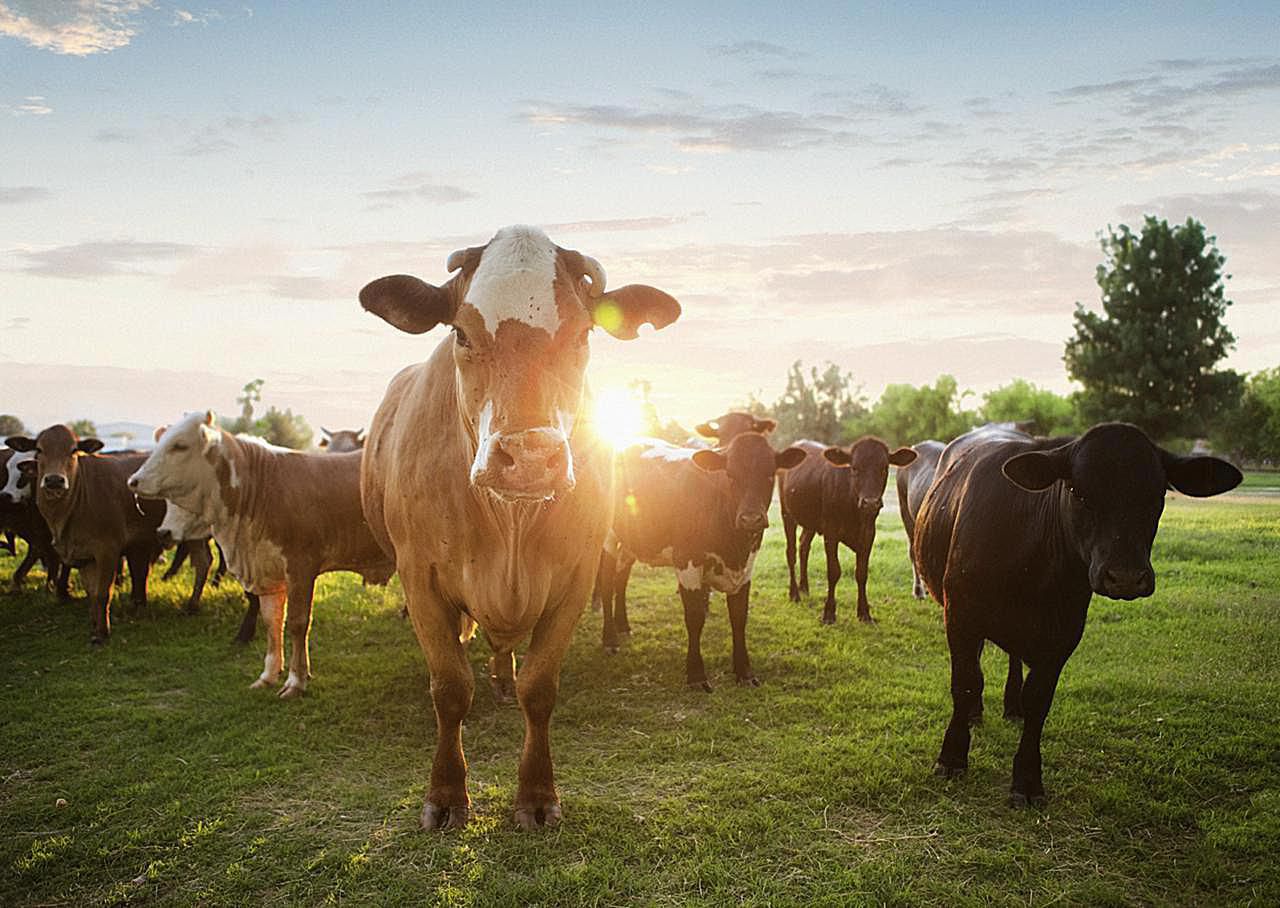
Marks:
<point>532,464</point>
<point>1126,583</point>
<point>165,537</point>
<point>55,482</point>
<point>752,523</point>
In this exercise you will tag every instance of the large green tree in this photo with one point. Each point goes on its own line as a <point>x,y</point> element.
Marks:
<point>10,425</point>
<point>280,427</point>
<point>1038,410</point>
<point>1149,357</point>
<point>84,428</point>
<point>905,414</point>
<point>1251,431</point>
<point>817,405</point>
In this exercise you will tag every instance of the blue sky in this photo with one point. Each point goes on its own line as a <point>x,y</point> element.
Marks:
<point>192,195</point>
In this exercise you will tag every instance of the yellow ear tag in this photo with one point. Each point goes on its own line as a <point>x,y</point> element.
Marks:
<point>608,315</point>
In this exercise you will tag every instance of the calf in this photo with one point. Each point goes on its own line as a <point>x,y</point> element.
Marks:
<point>1014,537</point>
<point>341,441</point>
<point>913,481</point>
<point>192,533</point>
<point>837,493</point>
<point>94,518</point>
<point>724,429</point>
<point>281,517</point>
<point>702,512</point>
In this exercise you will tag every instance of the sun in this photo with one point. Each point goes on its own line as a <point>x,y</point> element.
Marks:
<point>619,416</point>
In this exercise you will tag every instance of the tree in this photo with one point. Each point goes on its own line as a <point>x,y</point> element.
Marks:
<point>281,427</point>
<point>905,414</point>
<point>11,425</point>
<point>84,428</point>
<point>1149,357</point>
<point>250,394</point>
<point>1251,431</point>
<point>1038,410</point>
<point>817,406</point>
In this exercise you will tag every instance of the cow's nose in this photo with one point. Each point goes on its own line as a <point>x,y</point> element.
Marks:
<point>753,522</point>
<point>133,483</point>
<point>1129,583</point>
<point>533,463</point>
<point>165,537</point>
<point>55,483</point>
<point>867,504</point>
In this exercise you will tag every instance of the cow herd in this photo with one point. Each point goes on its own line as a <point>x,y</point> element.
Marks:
<point>484,484</point>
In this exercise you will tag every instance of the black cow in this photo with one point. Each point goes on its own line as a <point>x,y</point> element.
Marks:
<point>837,493</point>
<point>1014,537</point>
<point>702,512</point>
<point>913,481</point>
<point>724,429</point>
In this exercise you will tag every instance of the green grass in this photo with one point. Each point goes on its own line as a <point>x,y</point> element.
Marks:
<point>1162,754</point>
<point>1260,480</point>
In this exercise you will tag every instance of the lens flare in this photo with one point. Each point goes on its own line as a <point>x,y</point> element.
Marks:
<point>619,417</point>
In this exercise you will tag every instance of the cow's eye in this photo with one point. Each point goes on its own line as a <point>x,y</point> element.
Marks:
<point>1079,498</point>
<point>179,446</point>
<point>460,337</point>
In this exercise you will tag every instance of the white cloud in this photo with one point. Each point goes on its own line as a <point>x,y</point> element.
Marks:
<point>30,106</point>
<point>74,27</point>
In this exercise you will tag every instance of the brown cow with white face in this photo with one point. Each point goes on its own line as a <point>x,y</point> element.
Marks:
<point>484,478</point>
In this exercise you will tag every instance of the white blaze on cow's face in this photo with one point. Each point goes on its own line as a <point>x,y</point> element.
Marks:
<point>182,467</point>
<point>17,488</point>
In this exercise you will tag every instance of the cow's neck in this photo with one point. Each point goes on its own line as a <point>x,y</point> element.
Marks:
<point>57,512</point>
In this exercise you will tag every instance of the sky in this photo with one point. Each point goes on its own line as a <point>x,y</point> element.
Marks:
<point>192,195</point>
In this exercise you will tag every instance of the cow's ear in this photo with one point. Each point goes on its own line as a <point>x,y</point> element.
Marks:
<point>28,467</point>
<point>764,426</point>
<point>902,457</point>
<point>791,457</point>
<point>360,437</point>
<point>89,445</point>
<point>709,460</point>
<point>407,303</point>
<point>707,429</point>
<point>838,456</point>
<point>158,432</point>
<point>20,443</point>
<point>210,435</point>
<point>621,312</point>
<point>1036,471</point>
<point>325,432</point>
<point>1200,476</point>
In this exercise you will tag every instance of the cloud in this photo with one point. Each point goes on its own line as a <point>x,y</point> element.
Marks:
<point>74,27</point>
<point>228,133</point>
<point>20,195</point>
<point>621,224</point>
<point>756,50</point>
<point>114,136</point>
<point>186,17</point>
<point>417,187</point>
<point>30,106</point>
<point>84,261</point>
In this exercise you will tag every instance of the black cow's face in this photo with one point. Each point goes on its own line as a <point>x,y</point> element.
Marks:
<point>750,464</point>
<point>726,428</point>
<point>868,461</point>
<point>57,451</point>
<point>1117,479</point>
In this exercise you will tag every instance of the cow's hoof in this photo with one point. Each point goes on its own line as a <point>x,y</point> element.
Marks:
<point>866,618</point>
<point>703,685</point>
<point>611,649</point>
<point>943,771</point>
<point>749,681</point>
<point>503,694</point>
<point>437,817</point>
<point>827,619</point>
<point>1019,801</point>
<point>794,595</point>
<point>533,818</point>
<point>262,682</point>
<point>292,691</point>
<point>97,641</point>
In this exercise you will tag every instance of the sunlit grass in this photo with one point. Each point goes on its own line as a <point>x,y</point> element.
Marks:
<point>182,786</point>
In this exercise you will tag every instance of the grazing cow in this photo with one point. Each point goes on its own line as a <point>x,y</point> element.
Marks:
<point>725,429</point>
<point>94,518</point>
<point>486,480</point>
<point>1014,537</point>
<point>341,441</point>
<point>282,518</point>
<point>837,493</point>
<point>913,481</point>
<point>702,512</point>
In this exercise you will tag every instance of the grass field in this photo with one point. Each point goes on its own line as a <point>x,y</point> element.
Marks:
<point>1162,754</point>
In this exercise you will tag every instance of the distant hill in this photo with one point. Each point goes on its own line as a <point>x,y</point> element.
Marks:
<point>118,435</point>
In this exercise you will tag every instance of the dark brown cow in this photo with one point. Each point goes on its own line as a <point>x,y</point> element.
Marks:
<point>94,518</point>
<point>837,493</point>
<point>341,441</point>
<point>1013,538</point>
<point>703,513</point>
<point>913,480</point>
<point>485,479</point>
<point>724,429</point>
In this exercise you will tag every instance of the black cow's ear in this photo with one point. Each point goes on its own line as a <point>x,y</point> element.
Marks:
<point>89,445</point>
<point>765,426</point>
<point>709,460</point>
<point>621,312</point>
<point>407,303</point>
<point>1036,471</point>
<point>1200,476</point>
<point>902,457</point>
<point>791,457</point>
<point>20,443</point>
<point>28,468</point>
<point>838,456</point>
<point>707,429</point>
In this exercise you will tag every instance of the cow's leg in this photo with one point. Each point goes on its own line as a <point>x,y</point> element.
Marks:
<point>249,623</point>
<point>99,577</point>
<point>10,543</point>
<point>28,562</point>
<point>806,540</point>
<point>502,675</point>
<point>738,622</point>
<point>272,606</point>
<point>832,545</point>
<point>975,706</point>
<point>139,558</point>
<point>621,578</point>
<point>606,574</point>
<point>862,562</point>
<point>63,583</point>
<point>965,687</point>
<point>201,561</point>
<point>1037,697</point>
<point>1013,689</point>
<point>222,564</point>
<point>302,590</point>
<point>179,558</point>
<point>695,615</point>
<point>597,593</point>
<point>789,533</point>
